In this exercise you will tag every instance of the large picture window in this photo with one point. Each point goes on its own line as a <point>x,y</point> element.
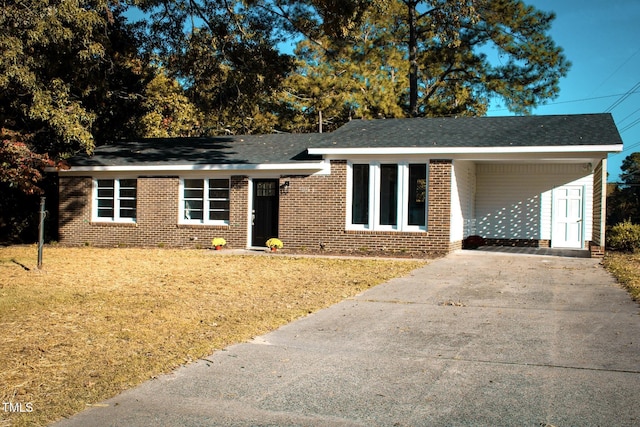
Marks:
<point>360,194</point>
<point>205,201</point>
<point>417,195</point>
<point>115,200</point>
<point>388,196</point>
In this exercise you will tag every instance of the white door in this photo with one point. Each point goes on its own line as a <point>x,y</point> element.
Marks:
<point>567,217</point>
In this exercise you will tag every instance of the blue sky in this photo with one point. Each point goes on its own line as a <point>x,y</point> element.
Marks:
<point>602,41</point>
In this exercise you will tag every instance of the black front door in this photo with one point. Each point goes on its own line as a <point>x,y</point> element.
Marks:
<point>265,211</point>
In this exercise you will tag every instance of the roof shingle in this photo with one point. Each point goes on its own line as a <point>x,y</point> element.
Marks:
<point>512,131</point>
<point>222,150</point>
<point>516,131</point>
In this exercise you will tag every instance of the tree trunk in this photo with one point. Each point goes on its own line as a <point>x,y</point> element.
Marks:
<point>413,58</point>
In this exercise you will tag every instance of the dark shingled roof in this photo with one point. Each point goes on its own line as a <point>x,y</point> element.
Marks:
<point>513,131</point>
<point>245,149</point>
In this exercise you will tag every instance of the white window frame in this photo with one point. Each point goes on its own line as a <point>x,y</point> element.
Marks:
<point>205,201</point>
<point>403,204</point>
<point>116,218</point>
<point>402,209</point>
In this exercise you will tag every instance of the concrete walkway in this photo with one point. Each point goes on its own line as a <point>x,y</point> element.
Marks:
<point>475,338</point>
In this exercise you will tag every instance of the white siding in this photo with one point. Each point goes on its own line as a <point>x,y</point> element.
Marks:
<point>514,201</point>
<point>463,189</point>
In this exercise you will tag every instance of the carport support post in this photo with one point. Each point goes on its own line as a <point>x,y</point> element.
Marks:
<point>43,214</point>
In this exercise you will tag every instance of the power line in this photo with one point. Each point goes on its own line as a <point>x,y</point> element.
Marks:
<point>616,70</point>
<point>621,121</point>
<point>623,98</point>
<point>630,125</point>
<point>590,99</point>
<point>577,100</point>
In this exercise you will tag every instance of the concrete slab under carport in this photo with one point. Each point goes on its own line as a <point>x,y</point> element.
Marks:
<point>562,252</point>
<point>474,338</point>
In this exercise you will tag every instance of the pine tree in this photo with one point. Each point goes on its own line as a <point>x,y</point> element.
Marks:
<point>435,58</point>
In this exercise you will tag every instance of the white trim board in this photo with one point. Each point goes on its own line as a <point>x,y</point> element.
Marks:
<point>467,150</point>
<point>321,168</point>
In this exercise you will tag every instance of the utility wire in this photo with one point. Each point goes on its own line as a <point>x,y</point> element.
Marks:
<point>623,98</point>
<point>590,99</point>
<point>621,121</point>
<point>576,100</point>
<point>616,70</point>
<point>630,125</point>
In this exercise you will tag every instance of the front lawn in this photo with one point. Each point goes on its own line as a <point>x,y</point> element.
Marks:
<point>626,268</point>
<point>94,322</point>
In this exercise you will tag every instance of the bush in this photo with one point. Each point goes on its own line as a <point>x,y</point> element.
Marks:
<point>624,236</point>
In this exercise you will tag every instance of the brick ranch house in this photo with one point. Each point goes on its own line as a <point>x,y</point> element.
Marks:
<point>405,185</point>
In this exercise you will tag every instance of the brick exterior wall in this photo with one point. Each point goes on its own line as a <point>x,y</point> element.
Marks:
<point>157,212</point>
<point>74,217</point>
<point>312,215</point>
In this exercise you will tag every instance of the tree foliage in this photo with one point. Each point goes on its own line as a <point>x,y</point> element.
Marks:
<point>623,200</point>
<point>436,58</point>
<point>167,112</point>
<point>21,167</point>
<point>69,75</point>
<point>365,78</point>
<point>225,55</point>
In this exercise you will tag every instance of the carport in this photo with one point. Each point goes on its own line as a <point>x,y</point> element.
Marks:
<point>557,203</point>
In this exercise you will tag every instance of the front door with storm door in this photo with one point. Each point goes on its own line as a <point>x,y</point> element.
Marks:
<point>265,211</point>
<point>567,217</point>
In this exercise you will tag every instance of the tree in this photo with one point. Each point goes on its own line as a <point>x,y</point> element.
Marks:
<point>67,69</point>
<point>21,167</point>
<point>225,56</point>
<point>70,77</point>
<point>333,83</point>
<point>225,53</point>
<point>318,96</point>
<point>168,112</point>
<point>623,200</point>
<point>442,49</point>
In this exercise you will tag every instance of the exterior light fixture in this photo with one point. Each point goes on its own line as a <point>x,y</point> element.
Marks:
<point>284,187</point>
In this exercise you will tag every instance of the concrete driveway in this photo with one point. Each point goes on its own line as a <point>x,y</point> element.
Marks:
<point>476,338</point>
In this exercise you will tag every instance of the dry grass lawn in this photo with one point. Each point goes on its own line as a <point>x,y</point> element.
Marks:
<point>94,322</point>
<point>625,268</point>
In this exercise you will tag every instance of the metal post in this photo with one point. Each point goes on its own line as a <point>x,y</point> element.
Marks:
<point>43,214</point>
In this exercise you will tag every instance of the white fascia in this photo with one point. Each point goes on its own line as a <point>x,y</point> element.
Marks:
<point>315,168</point>
<point>465,150</point>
